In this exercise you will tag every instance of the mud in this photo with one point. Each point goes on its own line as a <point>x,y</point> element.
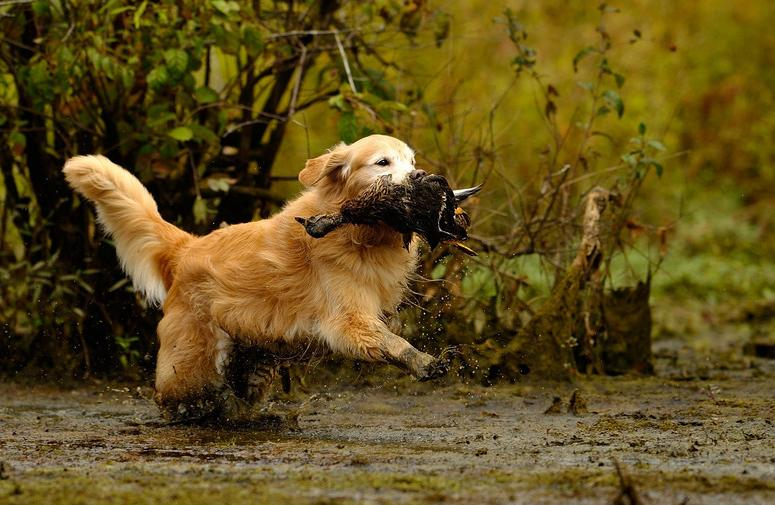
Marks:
<point>700,432</point>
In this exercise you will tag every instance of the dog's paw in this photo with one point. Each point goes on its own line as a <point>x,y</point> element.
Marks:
<point>433,370</point>
<point>438,367</point>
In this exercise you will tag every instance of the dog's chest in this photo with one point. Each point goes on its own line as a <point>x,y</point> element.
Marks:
<point>376,275</point>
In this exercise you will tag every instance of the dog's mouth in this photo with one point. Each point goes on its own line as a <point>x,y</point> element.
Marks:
<point>422,203</point>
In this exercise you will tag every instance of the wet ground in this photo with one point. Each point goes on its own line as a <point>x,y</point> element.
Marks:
<point>699,432</point>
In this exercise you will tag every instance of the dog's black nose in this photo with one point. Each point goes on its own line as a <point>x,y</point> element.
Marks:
<point>417,174</point>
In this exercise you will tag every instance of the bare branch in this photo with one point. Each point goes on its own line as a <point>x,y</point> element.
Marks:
<point>297,85</point>
<point>300,33</point>
<point>345,62</point>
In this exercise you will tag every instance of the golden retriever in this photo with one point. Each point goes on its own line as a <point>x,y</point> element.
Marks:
<point>265,283</point>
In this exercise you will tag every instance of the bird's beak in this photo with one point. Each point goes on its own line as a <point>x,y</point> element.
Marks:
<point>463,247</point>
<point>461,195</point>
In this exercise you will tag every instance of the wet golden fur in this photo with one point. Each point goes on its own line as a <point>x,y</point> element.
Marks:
<point>263,282</point>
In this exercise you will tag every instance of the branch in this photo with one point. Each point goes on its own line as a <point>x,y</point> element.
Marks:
<point>297,84</point>
<point>297,33</point>
<point>345,62</point>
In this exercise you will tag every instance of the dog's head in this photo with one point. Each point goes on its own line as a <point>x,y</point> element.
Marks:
<point>349,169</point>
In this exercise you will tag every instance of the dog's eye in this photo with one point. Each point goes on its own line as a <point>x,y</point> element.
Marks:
<point>383,162</point>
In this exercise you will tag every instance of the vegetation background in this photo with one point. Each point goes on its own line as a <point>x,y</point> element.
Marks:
<point>216,105</point>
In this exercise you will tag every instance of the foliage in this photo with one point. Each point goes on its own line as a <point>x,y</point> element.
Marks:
<point>538,224</point>
<point>659,83</point>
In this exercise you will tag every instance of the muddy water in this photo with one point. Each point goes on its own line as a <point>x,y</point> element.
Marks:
<point>694,434</point>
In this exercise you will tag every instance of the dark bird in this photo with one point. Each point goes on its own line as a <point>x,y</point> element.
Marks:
<point>423,204</point>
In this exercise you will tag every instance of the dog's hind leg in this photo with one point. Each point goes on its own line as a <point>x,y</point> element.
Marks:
<point>190,369</point>
<point>260,381</point>
<point>251,374</point>
<point>366,338</point>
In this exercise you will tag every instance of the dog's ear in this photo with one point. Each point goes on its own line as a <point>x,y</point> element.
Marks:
<point>324,165</point>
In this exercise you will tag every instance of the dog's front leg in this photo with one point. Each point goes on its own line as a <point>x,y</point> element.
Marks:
<point>369,339</point>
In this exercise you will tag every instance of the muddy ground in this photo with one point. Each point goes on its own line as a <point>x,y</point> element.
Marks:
<point>700,432</point>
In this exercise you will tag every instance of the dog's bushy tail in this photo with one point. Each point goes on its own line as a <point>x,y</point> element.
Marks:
<point>146,244</point>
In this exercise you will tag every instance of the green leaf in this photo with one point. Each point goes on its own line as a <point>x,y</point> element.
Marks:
<point>619,78</point>
<point>204,94</point>
<point>225,7</point>
<point>177,62</point>
<point>138,15</point>
<point>158,78</point>
<point>119,10</point>
<point>218,184</point>
<point>586,85</point>
<point>441,30</point>
<point>159,121</point>
<point>253,41</point>
<point>168,150</point>
<point>347,127</point>
<point>657,168</point>
<point>205,134</point>
<point>642,128</point>
<point>630,159</point>
<point>181,133</point>
<point>40,8</point>
<point>439,270</point>
<point>337,102</point>
<point>226,40</point>
<point>392,105</point>
<point>614,101</point>
<point>221,6</point>
<point>17,142</point>
<point>200,210</point>
<point>656,144</point>
<point>581,55</point>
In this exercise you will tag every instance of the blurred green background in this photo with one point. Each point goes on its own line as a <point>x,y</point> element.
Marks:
<point>216,106</point>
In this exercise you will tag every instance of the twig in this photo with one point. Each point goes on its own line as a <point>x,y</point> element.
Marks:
<point>297,33</point>
<point>628,495</point>
<point>297,84</point>
<point>345,62</point>
<point>69,32</point>
<point>619,167</point>
<point>14,2</point>
<point>194,174</point>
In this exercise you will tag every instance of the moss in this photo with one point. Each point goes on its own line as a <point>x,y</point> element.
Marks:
<point>693,482</point>
<point>204,485</point>
<point>193,489</point>
<point>57,487</point>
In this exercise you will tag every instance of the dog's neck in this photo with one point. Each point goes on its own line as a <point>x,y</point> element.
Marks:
<point>378,235</point>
